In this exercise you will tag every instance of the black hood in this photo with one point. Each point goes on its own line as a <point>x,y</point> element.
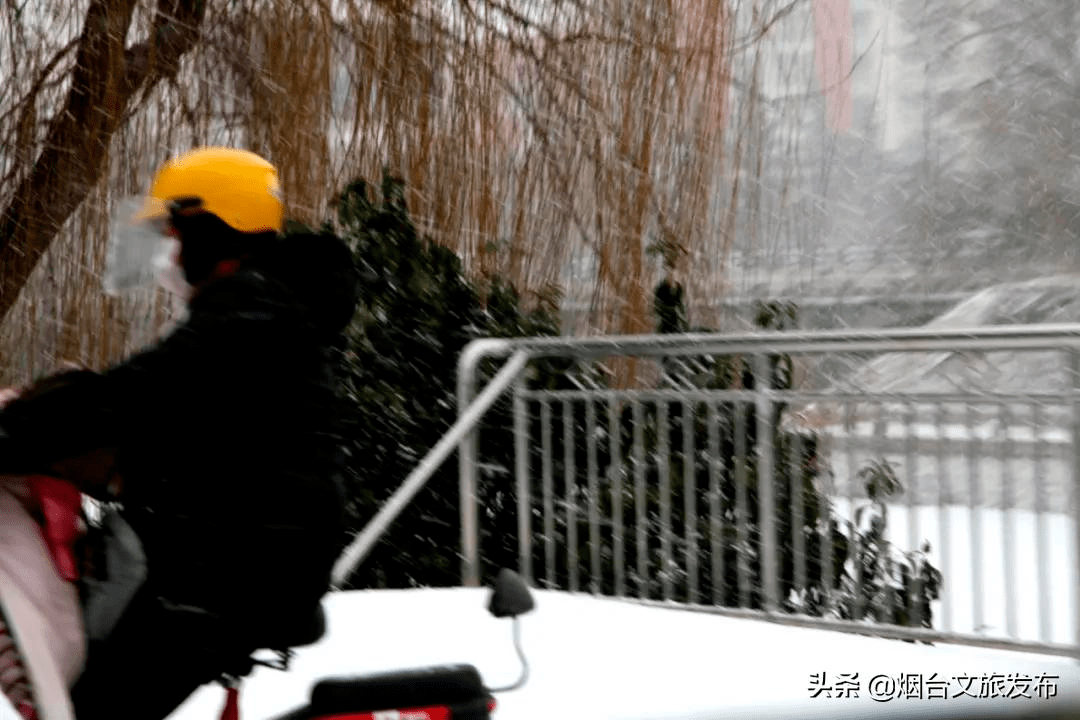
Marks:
<point>309,276</point>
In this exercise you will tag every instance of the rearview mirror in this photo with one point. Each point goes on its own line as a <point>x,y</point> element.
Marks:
<point>510,595</point>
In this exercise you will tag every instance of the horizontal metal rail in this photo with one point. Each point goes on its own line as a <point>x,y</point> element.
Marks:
<point>896,632</point>
<point>998,338</point>
<point>792,396</point>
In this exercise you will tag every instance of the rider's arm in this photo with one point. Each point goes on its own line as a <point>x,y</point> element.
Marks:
<point>52,423</point>
<point>102,409</point>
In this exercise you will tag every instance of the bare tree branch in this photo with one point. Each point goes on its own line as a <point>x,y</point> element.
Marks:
<point>26,103</point>
<point>106,80</point>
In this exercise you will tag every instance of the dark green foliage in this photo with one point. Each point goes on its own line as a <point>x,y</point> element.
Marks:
<point>417,312</point>
<point>670,307</point>
<point>884,585</point>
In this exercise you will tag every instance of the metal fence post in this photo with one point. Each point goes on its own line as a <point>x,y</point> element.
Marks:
<point>524,487</point>
<point>1074,372</point>
<point>765,479</point>
<point>468,363</point>
<point>470,545</point>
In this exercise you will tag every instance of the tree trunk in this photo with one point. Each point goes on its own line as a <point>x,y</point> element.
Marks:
<point>107,81</point>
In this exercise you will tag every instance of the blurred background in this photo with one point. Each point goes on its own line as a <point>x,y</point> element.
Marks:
<point>874,161</point>
<point>525,168</point>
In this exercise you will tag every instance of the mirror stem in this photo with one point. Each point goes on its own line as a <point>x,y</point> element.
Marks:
<point>521,656</point>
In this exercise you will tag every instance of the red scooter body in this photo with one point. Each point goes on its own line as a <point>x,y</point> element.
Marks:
<point>451,692</point>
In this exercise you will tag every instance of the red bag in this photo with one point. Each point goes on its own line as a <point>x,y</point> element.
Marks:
<point>60,504</point>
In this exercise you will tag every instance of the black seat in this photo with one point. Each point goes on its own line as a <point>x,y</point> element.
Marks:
<point>440,685</point>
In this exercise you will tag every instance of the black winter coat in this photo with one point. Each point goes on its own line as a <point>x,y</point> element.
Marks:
<point>227,437</point>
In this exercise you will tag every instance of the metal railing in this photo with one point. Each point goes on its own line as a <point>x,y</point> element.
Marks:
<point>470,415</point>
<point>681,489</point>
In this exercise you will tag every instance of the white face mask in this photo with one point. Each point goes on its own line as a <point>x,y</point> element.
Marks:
<point>133,248</point>
<point>168,272</point>
<point>141,253</point>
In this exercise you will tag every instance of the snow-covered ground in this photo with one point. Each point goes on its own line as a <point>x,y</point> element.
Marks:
<point>604,659</point>
<point>601,658</point>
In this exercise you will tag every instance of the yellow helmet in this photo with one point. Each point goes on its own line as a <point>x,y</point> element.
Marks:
<point>239,187</point>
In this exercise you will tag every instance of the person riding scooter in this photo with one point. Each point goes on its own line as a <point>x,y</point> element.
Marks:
<point>226,436</point>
